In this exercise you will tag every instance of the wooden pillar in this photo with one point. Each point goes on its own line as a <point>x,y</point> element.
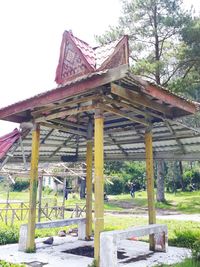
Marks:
<point>99,183</point>
<point>150,182</point>
<point>40,184</point>
<point>89,182</point>
<point>33,188</point>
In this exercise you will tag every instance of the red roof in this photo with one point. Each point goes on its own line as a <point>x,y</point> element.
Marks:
<point>78,58</point>
<point>7,141</point>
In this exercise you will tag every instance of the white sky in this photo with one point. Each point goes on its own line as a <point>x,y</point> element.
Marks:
<point>30,37</point>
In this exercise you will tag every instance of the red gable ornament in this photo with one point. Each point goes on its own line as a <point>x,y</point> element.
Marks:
<point>77,58</point>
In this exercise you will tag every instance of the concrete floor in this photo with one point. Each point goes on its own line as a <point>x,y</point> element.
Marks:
<point>52,255</point>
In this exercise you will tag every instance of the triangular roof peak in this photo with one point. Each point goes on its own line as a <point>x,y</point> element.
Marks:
<point>78,58</point>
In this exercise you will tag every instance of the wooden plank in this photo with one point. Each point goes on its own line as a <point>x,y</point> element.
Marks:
<point>139,99</point>
<point>64,129</point>
<point>168,97</point>
<point>65,113</point>
<point>67,91</point>
<point>33,188</point>
<point>68,103</point>
<point>70,124</point>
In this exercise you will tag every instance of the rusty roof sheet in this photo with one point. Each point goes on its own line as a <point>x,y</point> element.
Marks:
<point>7,141</point>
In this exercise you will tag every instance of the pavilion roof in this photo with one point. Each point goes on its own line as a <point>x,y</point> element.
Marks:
<point>130,104</point>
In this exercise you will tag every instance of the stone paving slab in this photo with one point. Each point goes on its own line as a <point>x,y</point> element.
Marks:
<point>52,255</point>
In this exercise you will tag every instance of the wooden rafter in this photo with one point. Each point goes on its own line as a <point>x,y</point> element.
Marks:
<point>118,145</point>
<point>175,136</point>
<point>65,113</point>
<point>62,145</point>
<point>138,99</point>
<point>64,129</point>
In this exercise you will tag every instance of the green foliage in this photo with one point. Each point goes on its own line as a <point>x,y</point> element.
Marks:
<point>8,235</point>
<point>185,263</point>
<point>7,264</point>
<point>48,190</point>
<point>116,187</point>
<point>196,249</point>
<point>122,174</point>
<point>185,238</point>
<point>93,264</point>
<point>20,185</point>
<point>154,27</point>
<point>191,179</point>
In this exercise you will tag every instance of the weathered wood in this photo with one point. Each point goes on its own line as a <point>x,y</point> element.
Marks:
<point>170,98</point>
<point>142,100</point>
<point>150,182</point>
<point>66,91</point>
<point>99,183</point>
<point>64,129</point>
<point>33,188</point>
<point>69,103</point>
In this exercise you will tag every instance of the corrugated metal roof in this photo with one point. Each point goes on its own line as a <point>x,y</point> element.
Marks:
<point>7,141</point>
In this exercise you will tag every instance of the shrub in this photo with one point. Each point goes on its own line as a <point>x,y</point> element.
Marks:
<point>9,235</point>
<point>185,238</point>
<point>7,264</point>
<point>20,186</point>
<point>116,187</point>
<point>196,250</point>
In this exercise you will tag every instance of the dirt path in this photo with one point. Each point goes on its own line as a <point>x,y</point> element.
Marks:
<point>130,209</point>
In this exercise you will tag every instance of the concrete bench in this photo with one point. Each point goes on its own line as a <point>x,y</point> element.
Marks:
<point>109,241</point>
<point>81,222</point>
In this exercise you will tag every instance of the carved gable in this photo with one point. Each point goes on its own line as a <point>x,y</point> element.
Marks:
<point>72,62</point>
<point>77,58</point>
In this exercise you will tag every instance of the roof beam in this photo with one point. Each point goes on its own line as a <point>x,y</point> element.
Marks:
<point>65,113</point>
<point>138,99</point>
<point>167,97</point>
<point>66,104</point>
<point>64,129</point>
<point>66,91</point>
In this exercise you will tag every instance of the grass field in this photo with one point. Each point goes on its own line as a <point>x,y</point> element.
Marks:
<point>185,202</point>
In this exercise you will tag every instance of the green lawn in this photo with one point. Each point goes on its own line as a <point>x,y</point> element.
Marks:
<point>185,202</point>
<point>186,263</point>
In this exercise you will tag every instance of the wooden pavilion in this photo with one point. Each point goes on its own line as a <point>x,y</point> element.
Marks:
<point>98,99</point>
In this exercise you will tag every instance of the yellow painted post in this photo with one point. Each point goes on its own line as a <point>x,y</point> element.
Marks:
<point>89,182</point>
<point>150,183</point>
<point>30,246</point>
<point>99,183</point>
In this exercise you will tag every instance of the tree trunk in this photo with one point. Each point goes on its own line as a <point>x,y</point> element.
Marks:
<point>157,49</point>
<point>160,196</point>
<point>181,175</point>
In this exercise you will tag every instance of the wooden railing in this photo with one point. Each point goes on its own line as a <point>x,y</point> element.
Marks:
<point>13,211</point>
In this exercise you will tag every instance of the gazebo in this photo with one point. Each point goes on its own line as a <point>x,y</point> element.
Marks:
<point>99,100</point>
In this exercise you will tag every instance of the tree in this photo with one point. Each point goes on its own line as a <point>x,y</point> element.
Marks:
<point>188,81</point>
<point>154,28</point>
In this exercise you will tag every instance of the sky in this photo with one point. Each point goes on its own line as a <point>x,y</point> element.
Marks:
<point>30,38</point>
